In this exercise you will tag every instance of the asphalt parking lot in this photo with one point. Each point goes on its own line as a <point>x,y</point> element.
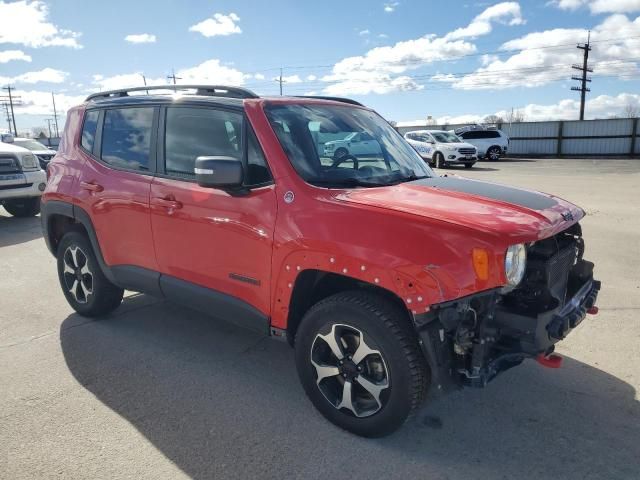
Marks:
<point>159,391</point>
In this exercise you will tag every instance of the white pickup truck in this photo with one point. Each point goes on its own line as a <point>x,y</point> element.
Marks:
<point>22,181</point>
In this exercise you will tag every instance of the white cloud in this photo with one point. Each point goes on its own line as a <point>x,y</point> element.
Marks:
<point>140,38</point>
<point>46,75</point>
<point>289,79</point>
<point>506,12</point>
<point>208,72</point>
<point>600,6</point>
<point>363,33</point>
<point>219,24</point>
<point>602,106</point>
<point>9,55</point>
<point>259,76</point>
<point>37,102</point>
<point>391,6</point>
<point>536,64</point>
<point>379,65</point>
<point>26,22</point>
<point>383,35</point>
<point>311,78</point>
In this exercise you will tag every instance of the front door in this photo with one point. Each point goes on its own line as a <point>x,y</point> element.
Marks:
<point>204,236</point>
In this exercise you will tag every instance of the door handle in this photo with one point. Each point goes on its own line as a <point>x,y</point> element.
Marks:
<point>169,203</point>
<point>92,187</point>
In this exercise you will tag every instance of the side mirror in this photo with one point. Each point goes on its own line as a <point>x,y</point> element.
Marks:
<point>219,172</point>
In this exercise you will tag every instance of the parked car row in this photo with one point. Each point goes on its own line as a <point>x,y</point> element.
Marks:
<point>23,162</point>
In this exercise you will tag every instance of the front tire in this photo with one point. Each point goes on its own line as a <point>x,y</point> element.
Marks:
<point>340,152</point>
<point>84,285</point>
<point>23,207</point>
<point>439,160</point>
<point>468,165</point>
<point>359,362</point>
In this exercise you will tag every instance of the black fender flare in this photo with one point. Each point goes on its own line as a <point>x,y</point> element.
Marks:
<point>79,215</point>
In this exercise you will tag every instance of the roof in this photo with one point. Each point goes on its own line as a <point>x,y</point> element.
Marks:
<point>218,95</point>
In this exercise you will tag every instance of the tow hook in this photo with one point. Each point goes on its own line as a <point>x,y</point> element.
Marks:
<point>549,361</point>
<point>593,310</point>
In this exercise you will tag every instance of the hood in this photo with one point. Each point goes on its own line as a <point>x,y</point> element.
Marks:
<point>457,145</point>
<point>520,215</point>
<point>11,148</point>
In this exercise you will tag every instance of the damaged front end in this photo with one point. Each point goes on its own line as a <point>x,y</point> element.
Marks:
<point>470,340</point>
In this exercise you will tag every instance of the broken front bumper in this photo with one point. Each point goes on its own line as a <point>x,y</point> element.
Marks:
<point>471,340</point>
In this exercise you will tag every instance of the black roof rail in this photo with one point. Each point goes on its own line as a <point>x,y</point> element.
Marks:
<point>205,90</point>
<point>335,99</point>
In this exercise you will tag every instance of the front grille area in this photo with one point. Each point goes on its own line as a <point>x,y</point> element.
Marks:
<point>9,165</point>
<point>467,151</point>
<point>549,264</point>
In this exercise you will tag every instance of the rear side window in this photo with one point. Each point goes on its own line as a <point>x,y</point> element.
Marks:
<point>194,132</point>
<point>89,130</point>
<point>126,137</point>
<point>479,134</point>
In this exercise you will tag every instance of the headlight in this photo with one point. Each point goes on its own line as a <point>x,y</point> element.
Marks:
<point>515,263</point>
<point>30,162</point>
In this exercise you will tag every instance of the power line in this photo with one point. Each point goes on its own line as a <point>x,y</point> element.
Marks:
<point>586,48</point>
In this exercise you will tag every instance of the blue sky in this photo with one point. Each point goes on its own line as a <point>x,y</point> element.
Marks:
<point>453,60</point>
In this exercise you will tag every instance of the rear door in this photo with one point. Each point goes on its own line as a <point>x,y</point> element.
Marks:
<point>116,179</point>
<point>206,237</point>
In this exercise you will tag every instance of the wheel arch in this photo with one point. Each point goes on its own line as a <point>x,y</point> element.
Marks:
<point>59,217</point>
<point>312,286</point>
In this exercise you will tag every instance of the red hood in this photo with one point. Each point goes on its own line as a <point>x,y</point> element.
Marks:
<point>522,215</point>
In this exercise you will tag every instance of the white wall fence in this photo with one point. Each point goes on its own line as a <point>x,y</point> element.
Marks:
<point>614,137</point>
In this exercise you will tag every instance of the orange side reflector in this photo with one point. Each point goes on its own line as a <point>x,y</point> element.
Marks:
<point>480,259</point>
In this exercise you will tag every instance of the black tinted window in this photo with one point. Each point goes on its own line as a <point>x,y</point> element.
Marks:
<point>480,134</point>
<point>257,170</point>
<point>194,132</point>
<point>89,130</point>
<point>126,137</point>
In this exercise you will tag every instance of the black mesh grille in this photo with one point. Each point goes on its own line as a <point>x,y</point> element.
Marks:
<point>467,151</point>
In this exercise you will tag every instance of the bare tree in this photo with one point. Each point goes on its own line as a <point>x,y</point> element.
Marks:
<point>493,119</point>
<point>631,110</point>
<point>515,116</point>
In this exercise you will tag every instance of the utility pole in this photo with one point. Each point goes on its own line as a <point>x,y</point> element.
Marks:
<point>280,81</point>
<point>173,77</point>
<point>8,88</point>
<point>583,79</point>
<point>55,115</point>
<point>49,124</point>
<point>6,108</point>
<point>144,79</point>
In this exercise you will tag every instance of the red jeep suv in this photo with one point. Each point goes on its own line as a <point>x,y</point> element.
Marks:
<point>388,280</point>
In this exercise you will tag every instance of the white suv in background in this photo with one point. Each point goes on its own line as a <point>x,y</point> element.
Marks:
<point>22,181</point>
<point>490,142</point>
<point>441,148</point>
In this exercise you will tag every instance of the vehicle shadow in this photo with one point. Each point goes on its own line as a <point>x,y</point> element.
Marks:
<point>14,230</point>
<point>221,402</point>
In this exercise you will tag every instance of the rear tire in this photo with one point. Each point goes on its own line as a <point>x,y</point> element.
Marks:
<point>493,154</point>
<point>84,285</point>
<point>23,207</point>
<point>383,377</point>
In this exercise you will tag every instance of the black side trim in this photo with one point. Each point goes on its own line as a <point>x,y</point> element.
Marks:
<point>207,301</point>
<point>137,279</point>
<point>515,196</point>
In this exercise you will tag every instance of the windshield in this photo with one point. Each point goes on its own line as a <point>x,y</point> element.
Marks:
<point>379,157</point>
<point>30,145</point>
<point>446,137</point>
<point>421,137</point>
